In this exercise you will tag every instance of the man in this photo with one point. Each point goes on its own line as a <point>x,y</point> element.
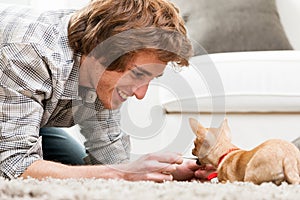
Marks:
<point>61,68</point>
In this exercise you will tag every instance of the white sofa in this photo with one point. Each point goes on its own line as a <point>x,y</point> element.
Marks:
<point>258,91</point>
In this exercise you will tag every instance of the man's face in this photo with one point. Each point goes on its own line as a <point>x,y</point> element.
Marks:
<point>115,87</point>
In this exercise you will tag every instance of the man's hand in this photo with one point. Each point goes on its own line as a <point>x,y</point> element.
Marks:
<point>202,173</point>
<point>156,167</point>
<point>189,170</point>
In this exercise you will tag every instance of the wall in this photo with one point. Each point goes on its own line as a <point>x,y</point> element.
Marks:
<point>53,4</point>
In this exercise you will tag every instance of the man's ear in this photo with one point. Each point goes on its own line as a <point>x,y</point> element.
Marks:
<point>197,128</point>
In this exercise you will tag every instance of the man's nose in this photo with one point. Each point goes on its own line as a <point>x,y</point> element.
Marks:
<point>141,91</point>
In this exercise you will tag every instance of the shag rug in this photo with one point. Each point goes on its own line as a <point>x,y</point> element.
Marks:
<point>92,189</point>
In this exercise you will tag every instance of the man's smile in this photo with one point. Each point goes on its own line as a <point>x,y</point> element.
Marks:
<point>122,94</point>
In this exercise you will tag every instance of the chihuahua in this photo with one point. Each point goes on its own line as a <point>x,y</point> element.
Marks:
<point>272,161</point>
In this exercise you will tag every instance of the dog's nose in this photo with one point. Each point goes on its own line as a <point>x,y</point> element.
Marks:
<point>198,162</point>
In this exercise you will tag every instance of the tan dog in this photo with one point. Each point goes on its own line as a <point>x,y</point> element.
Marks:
<point>273,161</point>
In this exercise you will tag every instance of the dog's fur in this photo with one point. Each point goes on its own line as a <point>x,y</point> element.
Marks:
<point>272,161</point>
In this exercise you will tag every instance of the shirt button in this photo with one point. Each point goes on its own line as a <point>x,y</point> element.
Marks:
<point>91,96</point>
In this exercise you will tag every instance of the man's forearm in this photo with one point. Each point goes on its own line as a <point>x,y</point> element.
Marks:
<point>42,169</point>
<point>156,167</point>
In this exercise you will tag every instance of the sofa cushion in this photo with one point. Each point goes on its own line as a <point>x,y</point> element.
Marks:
<point>233,25</point>
<point>235,82</point>
<point>289,12</point>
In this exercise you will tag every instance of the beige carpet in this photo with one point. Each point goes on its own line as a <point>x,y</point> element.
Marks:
<point>91,189</point>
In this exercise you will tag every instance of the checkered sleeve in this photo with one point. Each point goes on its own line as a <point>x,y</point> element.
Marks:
<point>105,142</point>
<point>23,85</point>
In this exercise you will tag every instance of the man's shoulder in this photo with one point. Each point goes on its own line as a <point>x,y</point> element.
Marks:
<point>30,25</point>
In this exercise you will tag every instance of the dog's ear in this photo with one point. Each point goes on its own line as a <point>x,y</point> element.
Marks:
<point>224,129</point>
<point>197,128</point>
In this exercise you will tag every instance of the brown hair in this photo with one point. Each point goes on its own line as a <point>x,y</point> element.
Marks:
<point>116,30</point>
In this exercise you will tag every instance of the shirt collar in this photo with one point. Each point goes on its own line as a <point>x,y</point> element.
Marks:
<point>70,69</point>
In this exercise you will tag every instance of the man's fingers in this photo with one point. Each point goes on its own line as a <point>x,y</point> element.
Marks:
<point>155,166</point>
<point>159,177</point>
<point>192,164</point>
<point>166,157</point>
<point>202,174</point>
<point>168,169</point>
<point>210,168</point>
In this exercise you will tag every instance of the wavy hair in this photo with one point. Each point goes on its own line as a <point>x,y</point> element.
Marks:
<point>116,29</point>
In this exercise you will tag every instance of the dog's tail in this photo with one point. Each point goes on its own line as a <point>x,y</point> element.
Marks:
<point>291,168</point>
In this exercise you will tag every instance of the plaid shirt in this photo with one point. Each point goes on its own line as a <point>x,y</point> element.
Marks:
<point>39,87</point>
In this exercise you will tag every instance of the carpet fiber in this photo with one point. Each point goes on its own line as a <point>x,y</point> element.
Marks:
<point>89,189</point>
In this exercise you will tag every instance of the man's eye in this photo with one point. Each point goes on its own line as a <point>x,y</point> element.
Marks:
<point>137,74</point>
